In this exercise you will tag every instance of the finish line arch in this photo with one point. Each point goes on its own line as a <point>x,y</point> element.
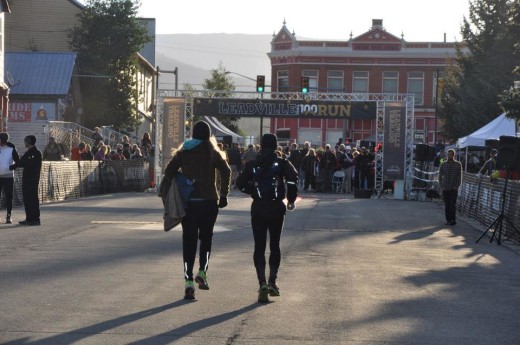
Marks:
<point>394,115</point>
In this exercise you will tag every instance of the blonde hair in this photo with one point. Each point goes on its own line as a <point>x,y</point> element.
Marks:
<point>213,143</point>
<point>311,152</point>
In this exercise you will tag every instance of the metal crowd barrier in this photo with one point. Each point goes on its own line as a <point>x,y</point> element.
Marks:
<point>65,180</point>
<point>481,199</point>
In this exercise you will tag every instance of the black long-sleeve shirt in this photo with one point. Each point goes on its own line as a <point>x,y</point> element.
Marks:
<point>31,162</point>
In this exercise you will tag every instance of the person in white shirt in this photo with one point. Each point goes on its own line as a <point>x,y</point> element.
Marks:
<point>8,156</point>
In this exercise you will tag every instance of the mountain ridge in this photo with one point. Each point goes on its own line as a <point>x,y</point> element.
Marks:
<point>195,55</point>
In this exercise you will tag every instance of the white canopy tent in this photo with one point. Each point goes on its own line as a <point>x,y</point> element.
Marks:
<point>493,130</point>
<point>219,130</point>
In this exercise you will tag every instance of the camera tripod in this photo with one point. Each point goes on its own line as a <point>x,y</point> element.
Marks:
<point>497,225</point>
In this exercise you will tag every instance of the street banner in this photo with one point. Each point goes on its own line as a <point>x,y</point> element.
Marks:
<point>173,127</point>
<point>394,141</point>
<point>284,108</point>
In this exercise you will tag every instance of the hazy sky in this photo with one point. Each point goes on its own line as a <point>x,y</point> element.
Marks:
<point>419,20</point>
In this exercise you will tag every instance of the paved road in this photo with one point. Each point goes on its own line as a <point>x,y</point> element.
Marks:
<point>354,271</point>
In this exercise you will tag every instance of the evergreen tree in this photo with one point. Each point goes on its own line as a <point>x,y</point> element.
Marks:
<point>223,86</point>
<point>510,99</point>
<point>481,70</point>
<point>107,40</point>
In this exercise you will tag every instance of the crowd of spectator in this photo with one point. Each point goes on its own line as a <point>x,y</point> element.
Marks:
<point>100,151</point>
<point>316,165</point>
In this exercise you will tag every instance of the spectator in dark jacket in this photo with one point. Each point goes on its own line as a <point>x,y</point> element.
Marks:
<point>31,162</point>
<point>309,166</point>
<point>295,156</point>
<point>87,155</point>
<point>235,162</point>
<point>328,165</point>
<point>96,136</point>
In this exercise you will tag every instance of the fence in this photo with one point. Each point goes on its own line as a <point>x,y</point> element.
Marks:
<point>70,134</point>
<point>481,199</point>
<point>75,179</point>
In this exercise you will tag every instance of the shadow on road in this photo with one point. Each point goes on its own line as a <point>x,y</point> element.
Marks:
<point>85,332</point>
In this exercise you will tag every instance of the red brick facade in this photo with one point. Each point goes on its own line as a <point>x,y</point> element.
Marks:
<point>374,62</point>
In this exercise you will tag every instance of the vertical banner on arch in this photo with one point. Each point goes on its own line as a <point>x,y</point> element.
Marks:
<point>173,127</point>
<point>394,141</point>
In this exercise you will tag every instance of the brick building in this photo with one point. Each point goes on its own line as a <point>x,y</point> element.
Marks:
<point>374,62</point>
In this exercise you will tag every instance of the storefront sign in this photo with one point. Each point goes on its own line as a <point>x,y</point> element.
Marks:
<point>31,111</point>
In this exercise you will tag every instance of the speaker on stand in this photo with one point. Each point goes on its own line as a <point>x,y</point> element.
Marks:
<point>508,159</point>
<point>424,153</point>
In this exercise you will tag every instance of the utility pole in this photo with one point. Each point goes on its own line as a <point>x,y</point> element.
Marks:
<point>260,82</point>
<point>436,105</point>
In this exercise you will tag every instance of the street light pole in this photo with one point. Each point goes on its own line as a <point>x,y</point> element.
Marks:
<point>240,75</point>
<point>516,87</point>
<point>261,119</point>
<point>436,106</point>
<point>175,72</point>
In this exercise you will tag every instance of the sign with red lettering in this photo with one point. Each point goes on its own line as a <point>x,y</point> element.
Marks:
<point>20,112</point>
<point>31,111</point>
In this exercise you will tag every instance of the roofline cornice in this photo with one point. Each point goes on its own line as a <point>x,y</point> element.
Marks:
<point>354,54</point>
<point>358,64</point>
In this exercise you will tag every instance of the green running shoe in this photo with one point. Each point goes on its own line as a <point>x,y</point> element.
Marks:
<point>274,290</point>
<point>189,290</point>
<point>263,293</point>
<point>202,280</point>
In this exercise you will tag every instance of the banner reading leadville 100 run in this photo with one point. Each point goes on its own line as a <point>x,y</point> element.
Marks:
<point>173,127</point>
<point>394,141</point>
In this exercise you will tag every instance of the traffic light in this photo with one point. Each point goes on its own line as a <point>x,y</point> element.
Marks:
<point>260,83</point>
<point>305,84</point>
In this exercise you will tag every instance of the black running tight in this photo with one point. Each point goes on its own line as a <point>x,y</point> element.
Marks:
<point>261,225</point>
<point>198,225</point>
